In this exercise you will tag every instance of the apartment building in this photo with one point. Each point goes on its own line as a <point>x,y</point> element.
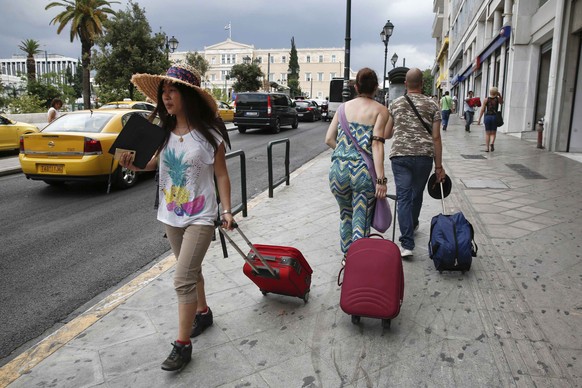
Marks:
<point>530,49</point>
<point>317,65</point>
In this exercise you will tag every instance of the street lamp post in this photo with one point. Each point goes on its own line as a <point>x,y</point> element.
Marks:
<point>393,60</point>
<point>171,45</point>
<point>385,34</point>
<point>346,89</point>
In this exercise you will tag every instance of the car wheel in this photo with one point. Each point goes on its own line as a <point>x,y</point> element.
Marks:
<point>125,178</point>
<point>277,127</point>
<point>295,123</point>
<point>242,129</point>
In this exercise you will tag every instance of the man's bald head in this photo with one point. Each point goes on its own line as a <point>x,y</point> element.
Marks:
<point>414,79</point>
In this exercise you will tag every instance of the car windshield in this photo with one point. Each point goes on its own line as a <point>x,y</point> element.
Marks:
<point>250,98</point>
<point>79,122</point>
<point>302,104</point>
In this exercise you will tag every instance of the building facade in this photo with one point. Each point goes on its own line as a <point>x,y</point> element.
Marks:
<point>530,49</point>
<point>13,69</point>
<point>317,66</point>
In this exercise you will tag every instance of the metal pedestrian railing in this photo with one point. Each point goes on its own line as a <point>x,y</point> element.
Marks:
<point>286,177</point>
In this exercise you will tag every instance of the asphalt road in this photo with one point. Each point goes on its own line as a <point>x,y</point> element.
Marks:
<point>63,248</point>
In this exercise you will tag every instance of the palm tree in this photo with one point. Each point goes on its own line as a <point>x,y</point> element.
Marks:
<point>31,47</point>
<point>86,18</point>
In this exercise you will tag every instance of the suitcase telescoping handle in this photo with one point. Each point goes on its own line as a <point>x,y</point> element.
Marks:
<point>237,248</point>
<point>442,197</point>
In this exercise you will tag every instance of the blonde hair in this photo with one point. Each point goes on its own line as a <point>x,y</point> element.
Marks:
<point>493,91</point>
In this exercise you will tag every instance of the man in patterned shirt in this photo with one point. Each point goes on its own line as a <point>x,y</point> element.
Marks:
<point>415,146</point>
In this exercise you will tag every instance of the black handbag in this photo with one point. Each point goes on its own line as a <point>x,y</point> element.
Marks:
<point>498,119</point>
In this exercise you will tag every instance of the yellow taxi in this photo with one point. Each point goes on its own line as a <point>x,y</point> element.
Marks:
<point>75,147</point>
<point>225,111</point>
<point>129,104</point>
<point>10,132</point>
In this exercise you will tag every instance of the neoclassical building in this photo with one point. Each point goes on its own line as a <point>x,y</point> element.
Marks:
<point>12,69</point>
<point>317,65</point>
<point>530,49</point>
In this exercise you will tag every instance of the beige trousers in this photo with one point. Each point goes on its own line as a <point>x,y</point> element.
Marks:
<point>189,245</point>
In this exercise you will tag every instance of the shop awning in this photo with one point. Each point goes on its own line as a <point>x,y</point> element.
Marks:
<point>499,40</point>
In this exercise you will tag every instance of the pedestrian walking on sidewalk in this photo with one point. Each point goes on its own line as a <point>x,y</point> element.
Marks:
<point>53,111</point>
<point>489,109</point>
<point>349,177</point>
<point>417,141</point>
<point>468,111</point>
<point>446,109</point>
<point>191,156</point>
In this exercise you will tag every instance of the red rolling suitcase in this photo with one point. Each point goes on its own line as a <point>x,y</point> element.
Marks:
<point>274,268</point>
<point>373,282</point>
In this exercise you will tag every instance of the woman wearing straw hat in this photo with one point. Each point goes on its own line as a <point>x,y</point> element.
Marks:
<point>192,154</point>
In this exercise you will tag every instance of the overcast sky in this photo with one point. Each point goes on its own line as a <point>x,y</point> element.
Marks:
<point>262,23</point>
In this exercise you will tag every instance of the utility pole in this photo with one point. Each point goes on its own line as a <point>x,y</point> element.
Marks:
<point>346,90</point>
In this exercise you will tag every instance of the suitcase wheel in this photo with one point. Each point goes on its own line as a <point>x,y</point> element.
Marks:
<point>355,319</point>
<point>386,323</point>
<point>306,297</point>
<point>264,292</point>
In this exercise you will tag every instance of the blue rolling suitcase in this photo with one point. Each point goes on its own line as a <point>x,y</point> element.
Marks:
<point>451,245</point>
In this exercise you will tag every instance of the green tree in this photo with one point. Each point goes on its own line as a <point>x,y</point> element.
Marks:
<point>30,48</point>
<point>43,90</point>
<point>197,61</point>
<point>128,47</point>
<point>26,103</point>
<point>427,82</point>
<point>248,77</point>
<point>2,95</point>
<point>293,77</point>
<point>86,18</point>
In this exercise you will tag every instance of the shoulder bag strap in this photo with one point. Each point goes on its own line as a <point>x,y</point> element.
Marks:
<point>424,124</point>
<point>346,127</point>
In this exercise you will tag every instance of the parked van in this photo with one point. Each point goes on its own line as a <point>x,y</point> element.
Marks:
<point>336,86</point>
<point>264,110</point>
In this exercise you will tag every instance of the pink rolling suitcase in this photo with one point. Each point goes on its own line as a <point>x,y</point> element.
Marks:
<point>373,282</point>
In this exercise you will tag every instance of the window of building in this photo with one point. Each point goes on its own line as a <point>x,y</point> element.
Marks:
<point>283,59</point>
<point>332,75</point>
<point>260,59</point>
<point>228,59</point>
<point>272,59</point>
<point>333,58</point>
<point>213,60</point>
<point>283,77</point>
<point>307,76</point>
<point>321,59</point>
<point>320,76</point>
<point>223,74</point>
<point>308,59</point>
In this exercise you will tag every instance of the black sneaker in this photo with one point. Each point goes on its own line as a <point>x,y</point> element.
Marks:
<point>178,358</point>
<point>201,323</point>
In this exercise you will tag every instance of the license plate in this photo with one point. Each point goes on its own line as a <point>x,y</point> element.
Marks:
<point>51,168</point>
<point>300,114</point>
<point>251,113</point>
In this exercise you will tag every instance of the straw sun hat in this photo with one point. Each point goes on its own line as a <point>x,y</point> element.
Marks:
<point>183,74</point>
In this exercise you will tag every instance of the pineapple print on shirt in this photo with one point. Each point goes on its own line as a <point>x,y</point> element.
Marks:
<point>177,197</point>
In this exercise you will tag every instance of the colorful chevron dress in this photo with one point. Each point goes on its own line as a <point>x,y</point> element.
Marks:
<point>351,184</point>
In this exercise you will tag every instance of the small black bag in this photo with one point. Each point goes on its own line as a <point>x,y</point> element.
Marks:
<point>498,119</point>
